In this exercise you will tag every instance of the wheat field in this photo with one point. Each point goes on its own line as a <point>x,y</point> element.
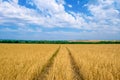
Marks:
<point>59,62</point>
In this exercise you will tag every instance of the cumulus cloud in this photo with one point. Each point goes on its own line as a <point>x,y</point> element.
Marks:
<point>104,15</point>
<point>51,13</point>
<point>15,14</point>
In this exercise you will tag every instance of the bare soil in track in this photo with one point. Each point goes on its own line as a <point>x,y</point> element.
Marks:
<point>48,68</point>
<point>45,70</point>
<point>76,71</point>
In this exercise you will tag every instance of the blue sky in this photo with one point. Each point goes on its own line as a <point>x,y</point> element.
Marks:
<point>60,19</point>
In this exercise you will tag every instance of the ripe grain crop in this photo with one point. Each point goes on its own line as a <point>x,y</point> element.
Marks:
<point>61,69</point>
<point>22,61</point>
<point>64,62</point>
<point>97,61</point>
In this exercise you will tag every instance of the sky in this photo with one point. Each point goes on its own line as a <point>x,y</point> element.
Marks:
<point>60,19</point>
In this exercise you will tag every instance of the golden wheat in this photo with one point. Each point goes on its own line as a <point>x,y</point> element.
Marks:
<point>21,61</point>
<point>97,62</point>
<point>69,62</point>
<point>61,69</point>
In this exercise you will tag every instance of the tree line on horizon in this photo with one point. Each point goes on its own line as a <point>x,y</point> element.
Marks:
<point>57,42</point>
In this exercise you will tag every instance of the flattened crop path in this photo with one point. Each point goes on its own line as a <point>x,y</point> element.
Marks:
<point>77,75</point>
<point>45,70</point>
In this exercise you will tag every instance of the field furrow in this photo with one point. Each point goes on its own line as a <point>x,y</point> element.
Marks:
<point>46,68</point>
<point>61,69</point>
<point>22,61</point>
<point>75,68</point>
<point>97,62</point>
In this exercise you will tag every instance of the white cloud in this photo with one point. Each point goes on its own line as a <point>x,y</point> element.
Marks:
<point>100,13</point>
<point>13,13</point>
<point>15,1</point>
<point>50,6</point>
<point>25,29</point>
<point>70,6</point>
<point>30,2</point>
<point>105,16</point>
<point>51,13</point>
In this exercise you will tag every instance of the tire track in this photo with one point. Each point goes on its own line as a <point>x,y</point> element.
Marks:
<point>46,68</point>
<point>76,71</point>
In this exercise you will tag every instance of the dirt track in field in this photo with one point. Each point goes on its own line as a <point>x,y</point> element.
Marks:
<point>76,71</point>
<point>42,75</point>
<point>46,68</point>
